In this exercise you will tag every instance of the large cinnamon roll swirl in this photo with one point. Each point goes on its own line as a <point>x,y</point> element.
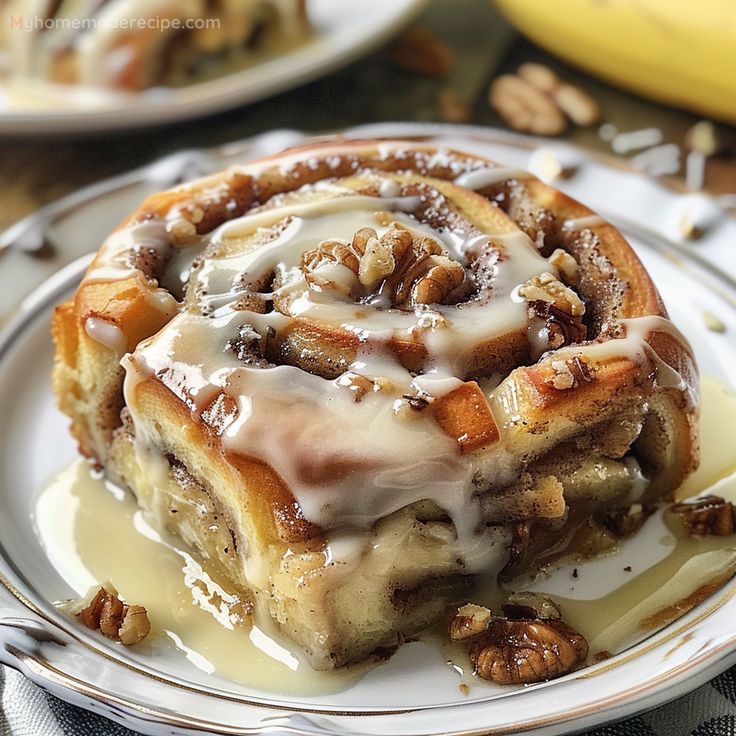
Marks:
<point>355,375</point>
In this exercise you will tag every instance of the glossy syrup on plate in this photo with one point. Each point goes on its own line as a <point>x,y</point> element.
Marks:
<point>94,532</point>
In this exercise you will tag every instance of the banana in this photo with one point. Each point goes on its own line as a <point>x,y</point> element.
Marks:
<point>676,51</point>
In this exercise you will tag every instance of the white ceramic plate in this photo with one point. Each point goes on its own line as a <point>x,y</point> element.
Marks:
<point>343,31</point>
<point>415,692</point>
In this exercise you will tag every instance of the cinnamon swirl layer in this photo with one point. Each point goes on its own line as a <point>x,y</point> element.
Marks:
<point>380,380</point>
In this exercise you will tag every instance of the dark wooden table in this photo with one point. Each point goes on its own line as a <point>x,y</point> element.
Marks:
<point>36,170</point>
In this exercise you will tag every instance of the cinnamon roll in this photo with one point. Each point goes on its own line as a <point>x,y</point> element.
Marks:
<point>357,374</point>
<point>130,46</point>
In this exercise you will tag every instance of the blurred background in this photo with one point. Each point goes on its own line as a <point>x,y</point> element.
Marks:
<point>650,82</point>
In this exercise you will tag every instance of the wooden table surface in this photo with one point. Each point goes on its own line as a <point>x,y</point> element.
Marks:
<point>36,170</point>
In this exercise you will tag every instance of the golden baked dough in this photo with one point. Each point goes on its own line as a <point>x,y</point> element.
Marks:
<point>356,374</point>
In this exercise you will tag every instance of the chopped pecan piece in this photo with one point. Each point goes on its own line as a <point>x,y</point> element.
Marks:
<point>525,605</point>
<point>708,515</point>
<point>559,306</point>
<point>523,652</point>
<point>623,522</point>
<point>567,374</point>
<point>135,626</point>
<point>561,328</point>
<point>565,264</point>
<point>103,610</point>
<point>469,621</point>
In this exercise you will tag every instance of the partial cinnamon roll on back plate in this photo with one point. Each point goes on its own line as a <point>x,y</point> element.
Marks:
<point>358,374</point>
<point>129,46</point>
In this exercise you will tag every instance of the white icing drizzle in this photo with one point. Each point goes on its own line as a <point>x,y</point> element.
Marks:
<point>106,333</point>
<point>486,177</point>
<point>580,223</point>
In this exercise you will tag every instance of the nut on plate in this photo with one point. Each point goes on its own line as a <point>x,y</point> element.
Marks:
<point>102,610</point>
<point>523,652</point>
<point>523,107</point>
<point>529,644</point>
<point>707,515</point>
<point>469,621</point>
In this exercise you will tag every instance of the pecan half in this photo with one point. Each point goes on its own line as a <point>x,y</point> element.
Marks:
<point>530,644</point>
<point>708,515</point>
<point>523,652</point>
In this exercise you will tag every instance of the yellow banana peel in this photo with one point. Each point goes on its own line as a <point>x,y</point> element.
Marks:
<point>682,52</point>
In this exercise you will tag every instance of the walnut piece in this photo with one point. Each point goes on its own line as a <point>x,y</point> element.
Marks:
<point>708,515</point>
<point>547,288</point>
<point>442,277</point>
<point>417,50</point>
<point>103,610</point>
<point>523,652</point>
<point>403,270</point>
<point>565,264</point>
<point>381,257</point>
<point>524,107</point>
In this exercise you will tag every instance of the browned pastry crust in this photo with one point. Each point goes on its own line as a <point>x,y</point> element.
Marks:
<point>602,410</point>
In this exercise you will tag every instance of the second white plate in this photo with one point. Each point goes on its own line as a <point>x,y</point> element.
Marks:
<point>343,31</point>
